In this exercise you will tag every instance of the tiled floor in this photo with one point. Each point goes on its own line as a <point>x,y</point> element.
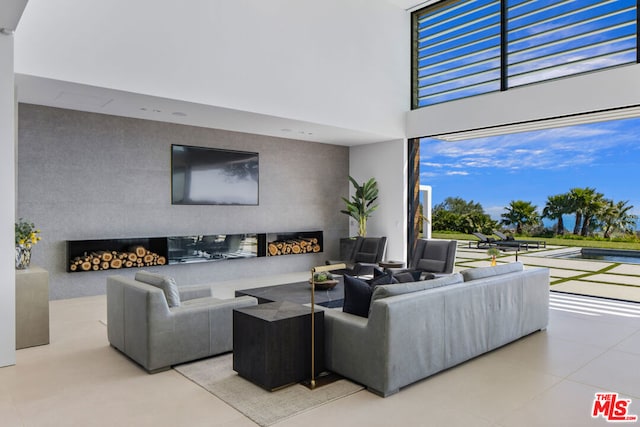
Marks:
<point>546,379</point>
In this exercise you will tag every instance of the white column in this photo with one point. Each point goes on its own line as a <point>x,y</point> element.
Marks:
<point>7,207</point>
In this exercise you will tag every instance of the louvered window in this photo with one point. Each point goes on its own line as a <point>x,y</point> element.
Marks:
<point>470,47</point>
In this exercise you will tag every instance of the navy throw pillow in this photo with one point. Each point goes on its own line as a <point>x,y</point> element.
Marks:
<point>357,296</point>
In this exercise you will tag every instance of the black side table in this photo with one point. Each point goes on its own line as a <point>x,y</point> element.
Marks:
<point>272,343</point>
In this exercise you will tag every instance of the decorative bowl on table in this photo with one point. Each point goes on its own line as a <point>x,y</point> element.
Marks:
<point>326,284</point>
<point>324,281</point>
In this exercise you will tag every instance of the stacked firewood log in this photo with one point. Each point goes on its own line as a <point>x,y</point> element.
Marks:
<point>136,256</point>
<point>300,245</point>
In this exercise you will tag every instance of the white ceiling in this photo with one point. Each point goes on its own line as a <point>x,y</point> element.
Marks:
<point>64,94</point>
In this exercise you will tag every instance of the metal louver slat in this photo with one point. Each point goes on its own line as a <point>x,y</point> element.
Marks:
<point>464,48</point>
<point>457,53</point>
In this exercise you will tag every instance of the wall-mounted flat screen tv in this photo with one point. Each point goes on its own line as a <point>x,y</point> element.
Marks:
<point>211,176</point>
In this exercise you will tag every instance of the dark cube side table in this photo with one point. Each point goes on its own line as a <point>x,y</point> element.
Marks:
<point>272,343</point>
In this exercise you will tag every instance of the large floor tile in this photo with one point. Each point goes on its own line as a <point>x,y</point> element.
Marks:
<point>541,352</point>
<point>567,404</point>
<point>631,344</point>
<point>614,371</point>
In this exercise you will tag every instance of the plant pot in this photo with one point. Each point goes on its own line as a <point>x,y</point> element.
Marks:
<point>23,257</point>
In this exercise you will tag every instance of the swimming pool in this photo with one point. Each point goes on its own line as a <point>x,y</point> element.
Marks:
<point>611,255</point>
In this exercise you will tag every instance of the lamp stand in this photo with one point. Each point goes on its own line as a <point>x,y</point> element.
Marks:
<point>314,270</point>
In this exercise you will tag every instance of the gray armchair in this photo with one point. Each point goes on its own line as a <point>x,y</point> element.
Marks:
<point>433,257</point>
<point>366,254</point>
<point>157,324</point>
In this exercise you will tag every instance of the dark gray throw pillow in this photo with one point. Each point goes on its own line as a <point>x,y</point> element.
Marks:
<point>381,279</point>
<point>406,277</point>
<point>357,296</point>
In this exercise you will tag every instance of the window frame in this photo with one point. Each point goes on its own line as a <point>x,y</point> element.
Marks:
<point>504,53</point>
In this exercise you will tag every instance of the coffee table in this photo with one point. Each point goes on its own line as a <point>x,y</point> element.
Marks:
<point>272,343</point>
<point>299,292</point>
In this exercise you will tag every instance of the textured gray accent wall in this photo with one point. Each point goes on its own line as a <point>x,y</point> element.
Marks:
<point>94,176</point>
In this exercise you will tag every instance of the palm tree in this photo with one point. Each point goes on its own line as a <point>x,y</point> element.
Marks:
<point>578,200</point>
<point>594,203</point>
<point>520,213</point>
<point>617,216</point>
<point>554,209</point>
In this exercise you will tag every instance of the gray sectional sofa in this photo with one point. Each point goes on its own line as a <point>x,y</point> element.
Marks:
<point>158,324</point>
<point>417,329</point>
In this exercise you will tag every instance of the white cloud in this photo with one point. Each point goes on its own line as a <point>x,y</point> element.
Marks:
<point>550,149</point>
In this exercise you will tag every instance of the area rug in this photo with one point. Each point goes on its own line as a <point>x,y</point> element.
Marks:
<point>216,375</point>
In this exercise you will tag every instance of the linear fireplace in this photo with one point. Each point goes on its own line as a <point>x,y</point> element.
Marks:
<point>113,254</point>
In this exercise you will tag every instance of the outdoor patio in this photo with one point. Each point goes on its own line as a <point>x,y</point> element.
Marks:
<point>585,277</point>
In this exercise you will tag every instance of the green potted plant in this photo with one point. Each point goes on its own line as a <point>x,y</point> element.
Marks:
<point>361,205</point>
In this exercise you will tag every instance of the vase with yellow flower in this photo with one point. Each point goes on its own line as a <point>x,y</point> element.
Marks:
<point>26,237</point>
<point>493,252</point>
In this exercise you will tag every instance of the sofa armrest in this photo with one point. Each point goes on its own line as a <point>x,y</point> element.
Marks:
<point>193,292</point>
<point>193,331</point>
<point>352,348</point>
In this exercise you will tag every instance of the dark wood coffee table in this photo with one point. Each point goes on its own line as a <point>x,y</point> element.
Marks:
<point>299,292</point>
<point>272,343</point>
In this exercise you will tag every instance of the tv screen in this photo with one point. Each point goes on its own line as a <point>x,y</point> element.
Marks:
<point>210,176</point>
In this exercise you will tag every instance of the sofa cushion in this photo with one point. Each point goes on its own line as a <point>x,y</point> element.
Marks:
<point>166,283</point>
<point>483,272</point>
<point>357,296</point>
<point>405,288</point>
<point>433,265</point>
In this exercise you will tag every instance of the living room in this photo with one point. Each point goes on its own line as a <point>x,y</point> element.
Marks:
<point>321,90</point>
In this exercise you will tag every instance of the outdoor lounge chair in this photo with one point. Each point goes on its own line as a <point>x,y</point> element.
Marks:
<point>509,240</point>
<point>484,242</point>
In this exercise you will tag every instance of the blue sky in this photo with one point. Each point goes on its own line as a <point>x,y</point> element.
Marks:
<point>533,165</point>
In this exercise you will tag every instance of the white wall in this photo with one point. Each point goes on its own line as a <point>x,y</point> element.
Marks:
<point>7,208</point>
<point>600,90</point>
<point>387,163</point>
<point>343,63</point>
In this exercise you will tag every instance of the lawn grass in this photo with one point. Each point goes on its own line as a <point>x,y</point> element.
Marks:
<point>551,241</point>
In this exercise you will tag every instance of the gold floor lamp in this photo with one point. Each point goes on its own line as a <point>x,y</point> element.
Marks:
<point>314,270</point>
